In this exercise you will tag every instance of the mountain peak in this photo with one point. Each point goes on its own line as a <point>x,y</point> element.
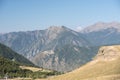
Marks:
<point>57,28</point>
<point>107,23</point>
<point>101,26</point>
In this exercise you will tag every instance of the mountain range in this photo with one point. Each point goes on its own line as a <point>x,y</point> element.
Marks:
<point>61,48</point>
<point>103,33</point>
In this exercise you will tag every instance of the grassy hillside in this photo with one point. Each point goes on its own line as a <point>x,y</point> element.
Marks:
<point>92,70</point>
<point>105,67</point>
<point>6,52</point>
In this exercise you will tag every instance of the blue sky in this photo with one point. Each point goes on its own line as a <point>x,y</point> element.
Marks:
<point>23,15</point>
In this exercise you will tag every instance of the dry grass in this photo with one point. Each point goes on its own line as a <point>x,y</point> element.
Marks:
<point>108,77</point>
<point>34,69</point>
<point>100,70</point>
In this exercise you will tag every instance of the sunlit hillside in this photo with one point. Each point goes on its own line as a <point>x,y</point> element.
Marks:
<point>105,66</point>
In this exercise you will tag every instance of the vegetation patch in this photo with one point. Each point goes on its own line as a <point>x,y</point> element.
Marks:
<point>11,69</point>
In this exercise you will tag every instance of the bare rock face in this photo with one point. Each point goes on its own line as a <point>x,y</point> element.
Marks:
<point>108,53</point>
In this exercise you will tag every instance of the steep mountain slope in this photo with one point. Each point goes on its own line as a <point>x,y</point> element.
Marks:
<point>52,48</point>
<point>66,58</point>
<point>22,41</point>
<point>103,33</point>
<point>31,42</point>
<point>105,66</point>
<point>6,52</point>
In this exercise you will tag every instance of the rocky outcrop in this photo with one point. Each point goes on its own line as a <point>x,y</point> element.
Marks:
<point>108,53</point>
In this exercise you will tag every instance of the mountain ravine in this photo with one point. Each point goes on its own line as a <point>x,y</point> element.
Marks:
<point>57,48</point>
